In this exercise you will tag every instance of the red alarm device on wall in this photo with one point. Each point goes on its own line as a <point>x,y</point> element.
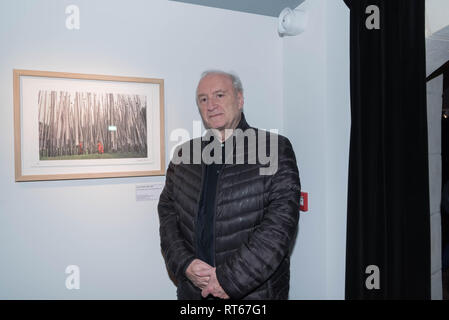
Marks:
<point>304,202</point>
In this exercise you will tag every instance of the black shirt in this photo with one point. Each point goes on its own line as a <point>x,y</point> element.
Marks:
<point>205,230</point>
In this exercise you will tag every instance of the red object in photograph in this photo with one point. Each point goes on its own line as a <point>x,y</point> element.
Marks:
<point>100,148</point>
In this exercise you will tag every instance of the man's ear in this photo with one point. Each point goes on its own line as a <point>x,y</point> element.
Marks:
<point>240,100</point>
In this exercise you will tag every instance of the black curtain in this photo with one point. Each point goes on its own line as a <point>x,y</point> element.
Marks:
<point>388,191</point>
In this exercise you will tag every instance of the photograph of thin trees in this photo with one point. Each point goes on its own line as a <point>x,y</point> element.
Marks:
<point>89,125</point>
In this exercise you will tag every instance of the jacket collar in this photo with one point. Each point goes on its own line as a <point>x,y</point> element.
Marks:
<point>243,124</point>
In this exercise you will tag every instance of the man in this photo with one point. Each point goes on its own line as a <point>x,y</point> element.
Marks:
<point>227,227</point>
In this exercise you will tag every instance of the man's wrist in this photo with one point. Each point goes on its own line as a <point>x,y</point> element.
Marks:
<point>222,281</point>
<point>186,265</point>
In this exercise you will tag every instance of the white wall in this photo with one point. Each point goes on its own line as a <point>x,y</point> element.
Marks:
<point>338,123</point>
<point>437,53</point>
<point>317,121</point>
<point>434,110</point>
<point>97,224</point>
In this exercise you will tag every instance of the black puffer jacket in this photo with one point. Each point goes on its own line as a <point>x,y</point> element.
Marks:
<point>255,224</point>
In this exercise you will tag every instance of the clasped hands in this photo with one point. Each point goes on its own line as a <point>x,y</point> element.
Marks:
<point>204,277</point>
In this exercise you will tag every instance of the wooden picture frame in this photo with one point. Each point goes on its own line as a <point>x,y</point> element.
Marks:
<point>83,126</point>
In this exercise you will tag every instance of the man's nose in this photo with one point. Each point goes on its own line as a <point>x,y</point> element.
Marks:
<point>211,104</point>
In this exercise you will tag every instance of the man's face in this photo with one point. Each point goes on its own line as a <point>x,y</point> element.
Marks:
<point>219,105</point>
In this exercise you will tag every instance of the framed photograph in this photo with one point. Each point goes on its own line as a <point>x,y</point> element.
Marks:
<point>80,126</point>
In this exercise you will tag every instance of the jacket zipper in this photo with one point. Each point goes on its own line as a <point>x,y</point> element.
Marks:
<point>216,213</point>
<point>195,222</point>
<point>216,198</point>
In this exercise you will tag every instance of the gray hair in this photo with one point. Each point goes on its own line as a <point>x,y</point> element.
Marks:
<point>236,82</point>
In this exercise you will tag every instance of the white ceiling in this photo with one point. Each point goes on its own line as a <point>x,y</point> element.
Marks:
<point>264,7</point>
<point>437,16</point>
<point>437,34</point>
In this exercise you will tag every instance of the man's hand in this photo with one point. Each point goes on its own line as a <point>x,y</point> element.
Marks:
<point>199,273</point>
<point>214,288</point>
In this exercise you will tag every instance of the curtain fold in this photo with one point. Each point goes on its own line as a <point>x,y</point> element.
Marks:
<point>388,223</point>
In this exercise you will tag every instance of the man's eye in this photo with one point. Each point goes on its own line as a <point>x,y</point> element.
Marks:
<point>202,100</point>
<point>220,95</point>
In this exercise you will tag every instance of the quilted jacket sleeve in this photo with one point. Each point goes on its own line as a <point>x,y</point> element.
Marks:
<point>174,250</point>
<point>271,241</point>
